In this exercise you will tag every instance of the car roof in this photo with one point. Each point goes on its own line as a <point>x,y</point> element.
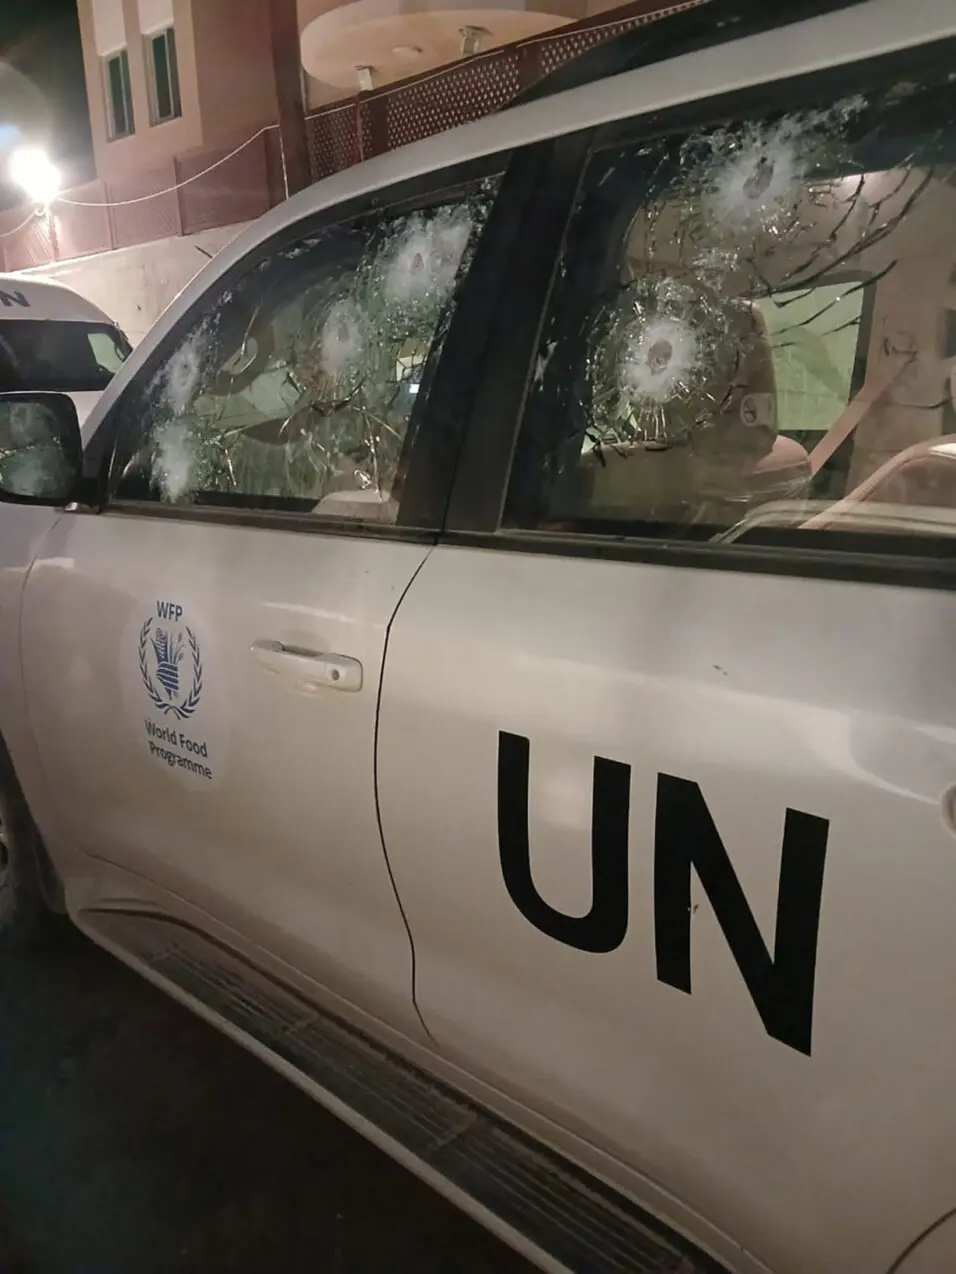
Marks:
<point>834,35</point>
<point>22,297</point>
<point>662,34</point>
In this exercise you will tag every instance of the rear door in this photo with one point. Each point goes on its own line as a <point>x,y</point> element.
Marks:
<point>676,838</point>
<point>220,626</point>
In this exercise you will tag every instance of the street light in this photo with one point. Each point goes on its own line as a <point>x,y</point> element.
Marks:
<point>31,169</point>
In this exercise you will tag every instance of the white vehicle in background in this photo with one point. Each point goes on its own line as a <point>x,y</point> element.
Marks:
<point>495,656</point>
<point>51,338</point>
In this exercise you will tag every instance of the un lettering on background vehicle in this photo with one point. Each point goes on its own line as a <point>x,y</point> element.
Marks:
<point>497,658</point>
<point>52,339</point>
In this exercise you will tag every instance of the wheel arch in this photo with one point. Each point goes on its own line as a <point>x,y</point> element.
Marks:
<point>51,884</point>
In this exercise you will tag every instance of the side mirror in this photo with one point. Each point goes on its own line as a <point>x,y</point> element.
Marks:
<point>41,451</point>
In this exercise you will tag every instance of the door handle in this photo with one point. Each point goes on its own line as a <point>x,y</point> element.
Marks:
<point>313,667</point>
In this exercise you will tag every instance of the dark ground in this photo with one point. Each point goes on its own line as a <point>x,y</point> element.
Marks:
<point>134,1139</point>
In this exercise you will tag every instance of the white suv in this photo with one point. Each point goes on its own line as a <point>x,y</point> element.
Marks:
<point>496,656</point>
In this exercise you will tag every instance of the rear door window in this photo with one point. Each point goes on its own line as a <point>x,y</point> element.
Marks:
<point>749,329</point>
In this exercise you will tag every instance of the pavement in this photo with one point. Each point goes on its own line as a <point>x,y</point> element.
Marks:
<point>135,1139</point>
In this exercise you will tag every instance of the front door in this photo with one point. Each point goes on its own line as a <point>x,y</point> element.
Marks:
<point>220,627</point>
<point>212,728</point>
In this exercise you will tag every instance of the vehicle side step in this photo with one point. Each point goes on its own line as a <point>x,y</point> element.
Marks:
<point>577,1221</point>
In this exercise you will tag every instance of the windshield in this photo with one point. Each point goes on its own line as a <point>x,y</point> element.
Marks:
<point>59,355</point>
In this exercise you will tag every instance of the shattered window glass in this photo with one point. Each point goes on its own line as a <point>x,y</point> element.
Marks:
<point>34,452</point>
<point>295,388</point>
<point>754,328</point>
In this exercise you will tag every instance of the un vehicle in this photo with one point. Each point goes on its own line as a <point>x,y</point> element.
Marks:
<point>495,656</point>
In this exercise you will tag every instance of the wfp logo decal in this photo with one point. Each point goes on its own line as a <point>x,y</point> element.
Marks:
<point>171,672</point>
<point>170,662</point>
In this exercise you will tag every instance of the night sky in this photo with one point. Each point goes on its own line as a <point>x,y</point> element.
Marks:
<point>42,91</point>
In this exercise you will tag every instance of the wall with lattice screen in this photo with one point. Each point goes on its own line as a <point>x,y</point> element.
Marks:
<point>457,94</point>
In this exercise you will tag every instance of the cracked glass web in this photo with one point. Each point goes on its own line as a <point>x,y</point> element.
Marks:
<point>738,329</point>
<point>300,382</point>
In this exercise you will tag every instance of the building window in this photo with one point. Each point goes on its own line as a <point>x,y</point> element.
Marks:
<point>163,70</point>
<point>119,97</point>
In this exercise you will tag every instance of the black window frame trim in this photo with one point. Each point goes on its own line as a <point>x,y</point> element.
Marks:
<point>268,520</point>
<point>478,497</point>
<point>495,247</point>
